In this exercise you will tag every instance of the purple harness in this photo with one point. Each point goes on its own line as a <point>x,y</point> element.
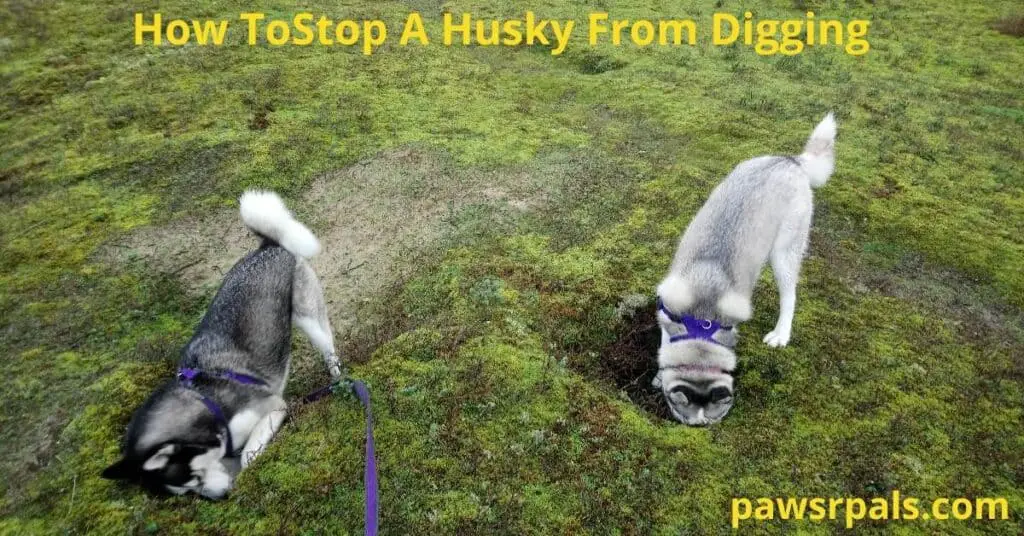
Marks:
<point>696,328</point>
<point>186,377</point>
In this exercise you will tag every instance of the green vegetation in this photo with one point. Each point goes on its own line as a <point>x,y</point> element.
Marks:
<point>496,360</point>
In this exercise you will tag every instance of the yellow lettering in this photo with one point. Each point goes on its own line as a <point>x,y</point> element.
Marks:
<point>561,37</point>
<point>177,32</point>
<point>210,31</point>
<point>910,505</point>
<point>414,30</point>
<point>834,25</point>
<point>716,29</point>
<point>141,27</point>
<point>251,18</point>
<point>677,27</point>
<point>617,26</point>
<point>648,33</point>
<point>789,45</point>
<point>810,28</point>
<point>513,34</point>
<point>736,515</point>
<point>833,503</point>
<point>597,26</point>
<point>962,509</point>
<point>322,26</point>
<point>792,508</point>
<point>855,510</point>
<point>278,32</point>
<point>856,30</point>
<point>535,32</point>
<point>481,34</point>
<point>991,505</point>
<point>374,35</point>
<point>879,509</point>
<point>449,28</point>
<point>347,32</point>
<point>818,507</point>
<point>301,20</point>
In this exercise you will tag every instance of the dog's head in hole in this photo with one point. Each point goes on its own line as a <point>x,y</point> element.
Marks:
<point>696,379</point>
<point>174,446</point>
<point>696,362</point>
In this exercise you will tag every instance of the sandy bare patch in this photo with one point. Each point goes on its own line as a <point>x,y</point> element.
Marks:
<point>375,220</point>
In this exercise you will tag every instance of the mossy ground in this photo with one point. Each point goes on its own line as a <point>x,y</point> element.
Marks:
<point>498,369</point>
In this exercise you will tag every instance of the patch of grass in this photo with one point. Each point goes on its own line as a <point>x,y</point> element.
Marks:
<point>590,62</point>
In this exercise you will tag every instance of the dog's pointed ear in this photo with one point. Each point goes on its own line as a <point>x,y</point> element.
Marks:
<point>676,293</point>
<point>120,470</point>
<point>159,459</point>
<point>734,306</point>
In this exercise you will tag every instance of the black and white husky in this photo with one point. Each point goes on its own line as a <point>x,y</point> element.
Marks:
<point>226,400</point>
<point>760,212</point>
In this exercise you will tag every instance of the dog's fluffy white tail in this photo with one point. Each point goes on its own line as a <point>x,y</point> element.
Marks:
<point>264,212</point>
<point>818,159</point>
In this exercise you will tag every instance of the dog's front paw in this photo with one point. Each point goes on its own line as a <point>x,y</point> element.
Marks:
<point>777,338</point>
<point>334,367</point>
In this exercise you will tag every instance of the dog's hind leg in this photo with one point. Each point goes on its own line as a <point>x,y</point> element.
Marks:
<point>786,256</point>
<point>309,312</point>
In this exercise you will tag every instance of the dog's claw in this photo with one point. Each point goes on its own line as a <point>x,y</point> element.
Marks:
<point>776,338</point>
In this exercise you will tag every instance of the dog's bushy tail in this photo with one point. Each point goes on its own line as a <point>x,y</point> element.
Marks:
<point>818,159</point>
<point>264,212</point>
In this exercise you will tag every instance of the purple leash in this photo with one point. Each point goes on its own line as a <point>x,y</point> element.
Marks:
<point>372,513</point>
<point>370,474</point>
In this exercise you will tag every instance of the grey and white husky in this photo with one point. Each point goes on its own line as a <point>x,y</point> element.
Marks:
<point>760,212</point>
<point>226,401</point>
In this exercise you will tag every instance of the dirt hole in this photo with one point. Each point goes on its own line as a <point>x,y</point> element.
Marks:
<point>631,362</point>
<point>1012,25</point>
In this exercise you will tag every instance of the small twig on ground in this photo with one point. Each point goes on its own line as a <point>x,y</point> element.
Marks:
<point>74,486</point>
<point>26,230</point>
<point>351,268</point>
<point>187,266</point>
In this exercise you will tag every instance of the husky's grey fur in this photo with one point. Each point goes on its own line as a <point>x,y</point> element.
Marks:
<point>762,211</point>
<point>174,443</point>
